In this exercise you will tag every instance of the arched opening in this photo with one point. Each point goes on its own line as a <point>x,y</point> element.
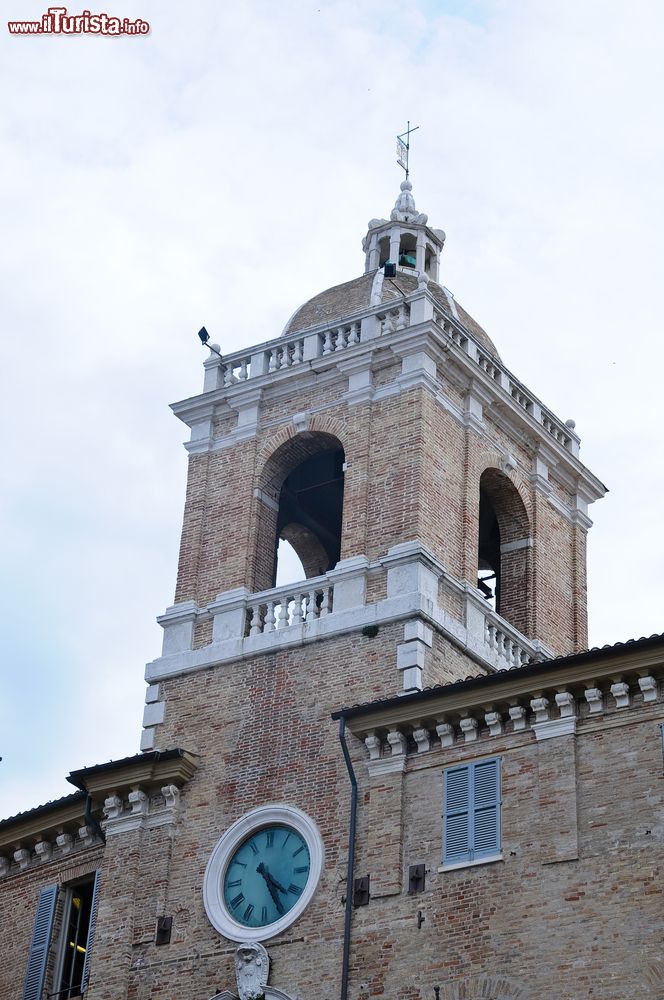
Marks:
<point>301,512</point>
<point>408,250</point>
<point>289,564</point>
<point>383,250</point>
<point>504,546</point>
<point>430,261</point>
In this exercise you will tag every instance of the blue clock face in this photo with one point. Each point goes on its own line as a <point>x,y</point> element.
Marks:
<point>266,875</point>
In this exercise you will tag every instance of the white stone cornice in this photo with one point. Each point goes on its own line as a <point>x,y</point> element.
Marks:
<point>397,742</point>
<point>22,858</point>
<point>414,577</point>
<point>566,704</point>
<point>422,741</point>
<point>44,850</point>
<point>554,727</point>
<point>386,765</point>
<point>445,733</point>
<point>620,692</point>
<point>540,707</point>
<point>64,843</point>
<point>468,727</point>
<point>518,716</point>
<point>648,687</point>
<point>593,696</point>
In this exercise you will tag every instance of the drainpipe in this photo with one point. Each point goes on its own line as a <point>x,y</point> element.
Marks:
<point>91,821</point>
<point>351,859</point>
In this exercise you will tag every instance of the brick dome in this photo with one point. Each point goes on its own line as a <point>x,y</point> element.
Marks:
<point>354,296</point>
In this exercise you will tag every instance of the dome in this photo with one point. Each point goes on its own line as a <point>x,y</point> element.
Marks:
<point>335,303</point>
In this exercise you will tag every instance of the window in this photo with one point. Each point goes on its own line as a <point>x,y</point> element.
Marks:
<point>76,926</point>
<point>471,813</point>
<point>77,920</point>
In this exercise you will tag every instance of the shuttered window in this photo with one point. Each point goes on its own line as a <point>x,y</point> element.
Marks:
<point>78,925</point>
<point>471,812</point>
<point>91,931</point>
<point>41,938</point>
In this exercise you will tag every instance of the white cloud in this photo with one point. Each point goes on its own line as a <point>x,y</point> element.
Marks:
<point>221,171</point>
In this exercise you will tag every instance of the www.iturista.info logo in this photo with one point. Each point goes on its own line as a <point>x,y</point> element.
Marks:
<point>56,21</point>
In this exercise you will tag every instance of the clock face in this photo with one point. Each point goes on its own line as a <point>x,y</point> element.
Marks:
<point>263,873</point>
<point>266,875</point>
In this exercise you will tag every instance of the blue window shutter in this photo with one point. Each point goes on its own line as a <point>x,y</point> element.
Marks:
<point>41,939</point>
<point>91,931</point>
<point>457,815</point>
<point>486,808</point>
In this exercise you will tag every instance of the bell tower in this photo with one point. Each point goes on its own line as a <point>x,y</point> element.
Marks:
<point>439,511</point>
<point>405,240</point>
<point>434,501</point>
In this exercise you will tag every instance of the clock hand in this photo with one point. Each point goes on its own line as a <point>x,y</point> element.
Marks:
<point>276,884</point>
<point>271,886</point>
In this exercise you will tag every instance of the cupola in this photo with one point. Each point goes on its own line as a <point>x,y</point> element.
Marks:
<point>404,240</point>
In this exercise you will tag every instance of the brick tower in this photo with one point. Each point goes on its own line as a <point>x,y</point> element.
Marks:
<point>426,491</point>
<point>396,776</point>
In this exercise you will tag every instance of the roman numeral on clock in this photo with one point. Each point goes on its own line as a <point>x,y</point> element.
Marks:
<point>247,913</point>
<point>263,914</point>
<point>295,889</point>
<point>238,899</point>
<point>298,871</point>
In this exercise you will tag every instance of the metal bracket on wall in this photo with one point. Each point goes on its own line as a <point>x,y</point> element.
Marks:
<point>361,891</point>
<point>416,876</point>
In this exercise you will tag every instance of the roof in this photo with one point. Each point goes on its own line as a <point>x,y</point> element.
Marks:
<point>42,810</point>
<point>154,766</point>
<point>530,670</point>
<point>353,296</point>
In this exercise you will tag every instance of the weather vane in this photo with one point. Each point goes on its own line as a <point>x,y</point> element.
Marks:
<point>403,148</point>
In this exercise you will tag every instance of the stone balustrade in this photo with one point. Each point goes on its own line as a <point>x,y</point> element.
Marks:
<point>546,716</point>
<point>562,433</point>
<point>327,341</point>
<point>244,624</point>
<point>283,607</point>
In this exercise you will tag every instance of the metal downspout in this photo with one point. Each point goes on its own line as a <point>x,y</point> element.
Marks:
<point>91,821</point>
<point>351,859</point>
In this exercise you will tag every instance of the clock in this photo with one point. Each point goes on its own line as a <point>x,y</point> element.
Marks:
<point>262,873</point>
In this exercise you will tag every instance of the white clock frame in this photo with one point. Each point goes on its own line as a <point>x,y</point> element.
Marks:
<point>213,894</point>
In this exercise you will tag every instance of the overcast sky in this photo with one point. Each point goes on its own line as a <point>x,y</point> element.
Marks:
<point>220,171</point>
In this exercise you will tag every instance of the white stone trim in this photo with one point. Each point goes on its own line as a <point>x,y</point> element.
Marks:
<point>594,698</point>
<point>213,900</point>
<point>648,687</point>
<point>153,714</point>
<point>386,765</point>
<point>373,744</point>
<point>471,864</point>
<point>148,739</point>
<point>152,694</point>
<point>398,743</point>
<point>554,727</point>
<point>620,692</point>
<point>414,577</point>
<point>540,707</point>
<point>518,716</point>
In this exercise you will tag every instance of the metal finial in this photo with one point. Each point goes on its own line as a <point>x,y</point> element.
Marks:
<point>403,148</point>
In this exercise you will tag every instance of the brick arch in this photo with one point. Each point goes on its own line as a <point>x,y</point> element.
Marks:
<point>509,547</point>
<point>288,449</point>
<point>484,988</point>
